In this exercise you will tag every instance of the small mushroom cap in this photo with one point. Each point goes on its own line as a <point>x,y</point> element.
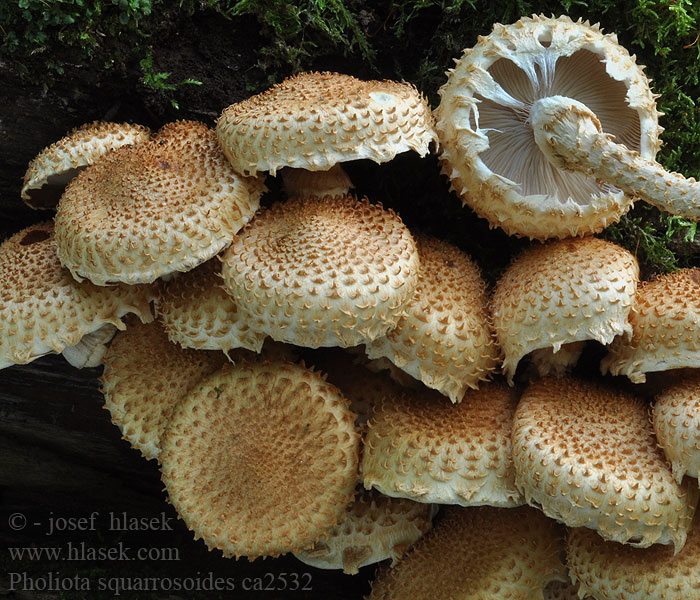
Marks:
<point>609,571</point>
<point>52,169</point>
<point>261,458</point>
<point>375,528</point>
<point>487,143</point>
<point>445,339</point>
<point>300,183</point>
<point>145,376</point>
<point>314,120</point>
<point>322,271</point>
<point>156,208</point>
<point>44,310</point>
<point>196,312</point>
<point>478,553</point>
<point>586,454</point>
<point>676,419</point>
<point>561,292</point>
<point>665,333</point>
<point>420,446</point>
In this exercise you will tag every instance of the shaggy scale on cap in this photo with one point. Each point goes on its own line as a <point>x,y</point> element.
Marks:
<point>44,310</point>
<point>52,169</point>
<point>156,208</point>
<point>676,419</point>
<point>421,447</point>
<point>322,271</point>
<point>608,571</point>
<point>478,553</point>
<point>145,376</point>
<point>445,339</point>
<point>375,528</point>
<point>562,292</point>
<point>665,328</point>
<point>261,458</point>
<point>196,312</point>
<point>315,120</point>
<point>486,138</point>
<point>586,454</point>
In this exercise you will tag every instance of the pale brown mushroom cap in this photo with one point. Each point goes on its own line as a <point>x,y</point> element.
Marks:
<point>478,553</point>
<point>314,120</point>
<point>445,339</point>
<point>145,375</point>
<point>586,455</point>
<point>322,271</point>
<point>609,571</point>
<point>196,312</point>
<point>561,292</point>
<point>261,458</point>
<point>676,419</point>
<point>51,170</point>
<point>300,183</point>
<point>665,328</point>
<point>375,528</point>
<point>156,208</point>
<point>486,139</point>
<point>422,447</point>
<point>44,310</point>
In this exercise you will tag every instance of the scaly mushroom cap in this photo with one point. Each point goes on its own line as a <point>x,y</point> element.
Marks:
<point>322,271</point>
<point>52,169</point>
<point>145,376</point>
<point>561,292</point>
<point>300,183</point>
<point>375,528</point>
<point>156,208</point>
<point>261,458</point>
<point>608,571</point>
<point>478,553</point>
<point>676,419</point>
<point>196,312</point>
<point>445,339</point>
<point>586,454</point>
<point>421,447</point>
<point>488,148</point>
<point>665,328</point>
<point>43,309</point>
<point>315,120</point>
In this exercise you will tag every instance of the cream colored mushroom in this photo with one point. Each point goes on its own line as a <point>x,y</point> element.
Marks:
<point>484,123</point>
<point>560,293</point>
<point>55,166</point>
<point>300,183</point>
<point>153,209</point>
<point>585,453</point>
<point>44,310</point>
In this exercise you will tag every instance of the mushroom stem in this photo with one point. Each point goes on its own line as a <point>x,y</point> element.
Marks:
<point>569,134</point>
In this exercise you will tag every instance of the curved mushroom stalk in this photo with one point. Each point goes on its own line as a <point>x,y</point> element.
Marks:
<point>569,134</point>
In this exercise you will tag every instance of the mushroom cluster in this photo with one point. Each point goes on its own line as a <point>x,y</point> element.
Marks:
<point>423,386</point>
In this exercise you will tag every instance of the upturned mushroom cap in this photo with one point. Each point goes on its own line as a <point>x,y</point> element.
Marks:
<point>665,328</point>
<point>561,292</point>
<point>420,446</point>
<point>44,310</point>
<point>486,138</point>
<point>196,312</point>
<point>322,271</point>
<point>145,376</point>
<point>315,120</point>
<point>261,458</point>
<point>609,571</point>
<point>586,455</point>
<point>300,183</point>
<point>375,528</point>
<point>52,169</point>
<point>445,339</point>
<point>478,553</point>
<point>156,208</point>
<point>676,419</point>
